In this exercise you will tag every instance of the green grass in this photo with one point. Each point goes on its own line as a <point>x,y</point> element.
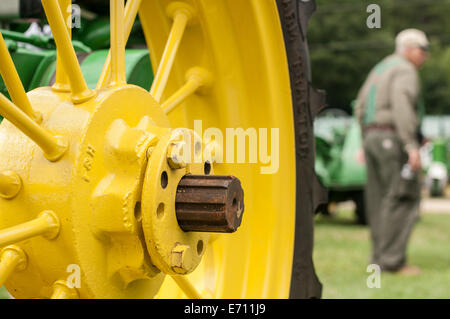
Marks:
<point>3,293</point>
<point>342,251</point>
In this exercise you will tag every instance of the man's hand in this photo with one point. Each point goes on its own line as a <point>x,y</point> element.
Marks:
<point>414,160</point>
<point>360,157</point>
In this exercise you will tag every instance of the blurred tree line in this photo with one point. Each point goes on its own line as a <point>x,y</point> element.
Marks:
<point>343,49</point>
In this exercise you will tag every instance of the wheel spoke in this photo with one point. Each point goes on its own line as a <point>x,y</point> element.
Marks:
<point>196,78</point>
<point>131,10</point>
<point>13,82</point>
<point>117,42</point>
<point>188,288</point>
<point>187,89</point>
<point>180,20</point>
<point>68,58</point>
<point>52,146</point>
<point>62,80</point>
<point>46,224</point>
<point>11,258</point>
<point>61,290</point>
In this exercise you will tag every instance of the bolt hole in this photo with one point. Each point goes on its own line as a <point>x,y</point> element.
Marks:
<point>160,210</point>
<point>138,211</point>
<point>164,179</point>
<point>207,168</point>
<point>200,247</point>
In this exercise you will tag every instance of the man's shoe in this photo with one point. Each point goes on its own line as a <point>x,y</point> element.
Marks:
<point>409,271</point>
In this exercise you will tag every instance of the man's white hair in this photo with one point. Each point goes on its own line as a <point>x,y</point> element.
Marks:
<point>410,38</point>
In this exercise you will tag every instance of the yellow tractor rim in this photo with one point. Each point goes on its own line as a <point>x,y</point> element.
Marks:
<point>240,43</point>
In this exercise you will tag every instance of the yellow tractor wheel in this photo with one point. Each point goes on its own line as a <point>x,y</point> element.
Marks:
<point>92,185</point>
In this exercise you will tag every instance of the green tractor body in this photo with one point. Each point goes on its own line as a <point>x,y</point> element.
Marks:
<point>340,165</point>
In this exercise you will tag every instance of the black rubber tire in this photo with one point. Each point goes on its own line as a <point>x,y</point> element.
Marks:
<point>307,102</point>
<point>436,190</point>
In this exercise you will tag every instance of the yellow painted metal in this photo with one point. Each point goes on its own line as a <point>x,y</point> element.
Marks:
<point>117,42</point>
<point>46,224</point>
<point>53,146</point>
<point>171,250</point>
<point>12,258</point>
<point>13,83</point>
<point>95,191</point>
<point>10,184</point>
<point>109,186</point>
<point>62,79</point>
<point>131,9</point>
<point>68,57</point>
<point>195,78</point>
<point>61,290</point>
<point>188,288</point>
<point>106,190</point>
<point>181,13</point>
<point>241,44</point>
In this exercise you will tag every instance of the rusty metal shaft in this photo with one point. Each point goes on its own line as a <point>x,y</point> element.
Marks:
<point>209,203</point>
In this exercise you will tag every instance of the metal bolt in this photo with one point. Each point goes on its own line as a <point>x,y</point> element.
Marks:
<point>181,259</point>
<point>175,155</point>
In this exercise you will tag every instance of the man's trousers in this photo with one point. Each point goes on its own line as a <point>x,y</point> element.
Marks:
<point>392,202</point>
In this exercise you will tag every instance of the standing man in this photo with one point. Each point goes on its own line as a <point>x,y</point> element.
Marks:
<point>387,109</point>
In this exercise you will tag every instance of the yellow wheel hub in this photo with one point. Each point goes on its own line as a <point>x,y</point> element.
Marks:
<point>171,249</point>
<point>100,160</point>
